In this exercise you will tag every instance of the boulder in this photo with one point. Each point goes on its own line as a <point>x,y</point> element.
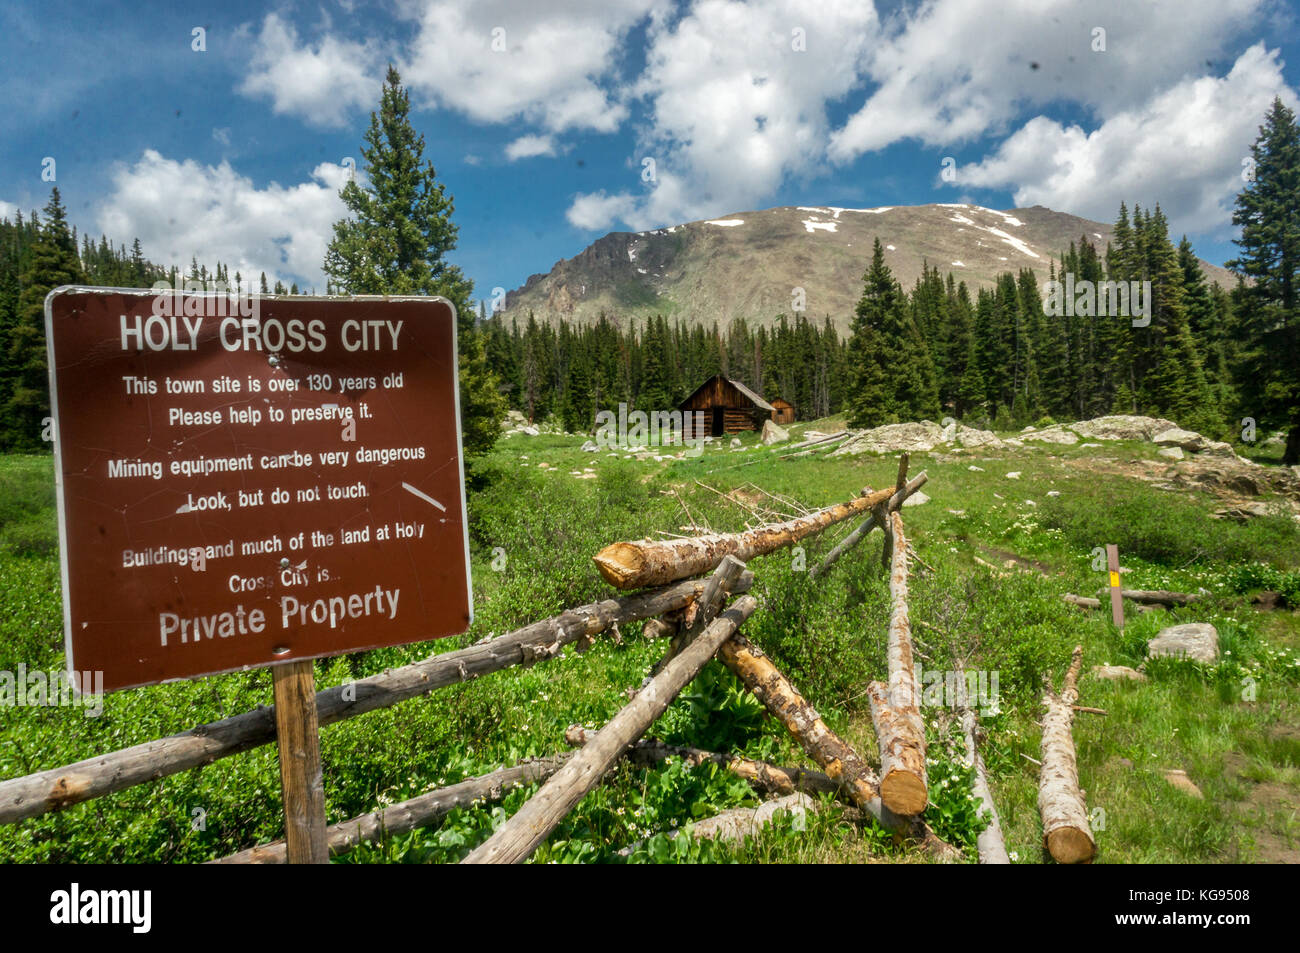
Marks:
<point>971,437</point>
<point>590,447</point>
<point>1173,453</point>
<point>1053,435</point>
<point>1013,475</point>
<point>1122,427</point>
<point>893,438</point>
<point>1198,641</point>
<point>916,499</point>
<point>773,434</point>
<point>735,443</point>
<point>529,431</point>
<point>1188,440</point>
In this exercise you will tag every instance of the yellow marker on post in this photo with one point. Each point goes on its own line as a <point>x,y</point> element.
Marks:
<point>1116,597</point>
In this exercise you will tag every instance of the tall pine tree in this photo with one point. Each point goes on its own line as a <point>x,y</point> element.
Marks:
<point>396,241</point>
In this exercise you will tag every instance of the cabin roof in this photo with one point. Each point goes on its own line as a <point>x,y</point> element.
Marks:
<point>753,398</point>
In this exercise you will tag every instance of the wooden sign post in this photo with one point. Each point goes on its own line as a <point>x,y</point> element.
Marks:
<point>1116,597</point>
<point>301,781</point>
<point>247,481</point>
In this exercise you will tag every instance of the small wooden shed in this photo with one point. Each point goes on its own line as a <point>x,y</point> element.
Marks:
<point>729,406</point>
<point>782,411</point>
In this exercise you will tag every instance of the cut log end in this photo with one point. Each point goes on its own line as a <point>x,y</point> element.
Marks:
<point>619,563</point>
<point>1069,845</point>
<point>904,793</point>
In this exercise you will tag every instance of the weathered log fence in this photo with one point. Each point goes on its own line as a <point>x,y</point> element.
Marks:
<point>684,605</point>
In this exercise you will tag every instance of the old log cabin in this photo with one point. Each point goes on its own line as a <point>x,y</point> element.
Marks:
<point>728,406</point>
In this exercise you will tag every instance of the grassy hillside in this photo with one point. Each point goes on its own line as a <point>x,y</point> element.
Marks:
<point>1233,727</point>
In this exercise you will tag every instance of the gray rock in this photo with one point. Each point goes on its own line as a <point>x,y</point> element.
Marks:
<point>529,431</point>
<point>971,437</point>
<point>1053,435</point>
<point>1173,453</point>
<point>1123,427</point>
<point>1198,641</point>
<point>916,499</point>
<point>774,434</point>
<point>892,438</point>
<point>590,447</point>
<point>1188,440</point>
<point>735,443</point>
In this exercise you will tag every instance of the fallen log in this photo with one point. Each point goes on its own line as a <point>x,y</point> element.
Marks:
<point>1083,602</point>
<point>651,562</point>
<point>702,611</point>
<point>867,525</point>
<point>1158,597</point>
<point>896,713</point>
<point>516,839</point>
<point>990,843</point>
<point>842,764</point>
<point>57,788</point>
<point>1066,833</point>
<point>420,811</point>
<point>766,777</point>
<point>902,765</point>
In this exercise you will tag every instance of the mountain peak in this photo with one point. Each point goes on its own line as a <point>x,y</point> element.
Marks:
<point>758,265</point>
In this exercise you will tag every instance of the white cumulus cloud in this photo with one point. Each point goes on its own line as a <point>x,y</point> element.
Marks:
<point>529,147</point>
<point>182,209</point>
<point>321,85</point>
<point>737,94</point>
<point>1183,149</point>
<point>948,71</point>
<point>501,60</point>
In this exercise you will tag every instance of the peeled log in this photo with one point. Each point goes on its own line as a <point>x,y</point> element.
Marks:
<point>902,765</point>
<point>515,840</point>
<point>990,843</point>
<point>650,562</point>
<point>1066,832</point>
<point>896,715</point>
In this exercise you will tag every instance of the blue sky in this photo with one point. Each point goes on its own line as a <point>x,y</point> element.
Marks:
<point>539,116</point>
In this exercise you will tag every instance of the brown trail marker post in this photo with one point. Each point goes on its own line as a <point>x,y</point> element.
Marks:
<point>245,481</point>
<point>1116,596</point>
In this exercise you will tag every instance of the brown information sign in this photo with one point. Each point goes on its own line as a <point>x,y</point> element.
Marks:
<point>250,480</point>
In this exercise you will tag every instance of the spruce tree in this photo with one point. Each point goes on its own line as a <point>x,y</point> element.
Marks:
<point>396,241</point>
<point>51,261</point>
<point>892,370</point>
<point>1268,212</point>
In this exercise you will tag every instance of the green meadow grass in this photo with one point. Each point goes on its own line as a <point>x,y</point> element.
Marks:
<point>1233,727</point>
